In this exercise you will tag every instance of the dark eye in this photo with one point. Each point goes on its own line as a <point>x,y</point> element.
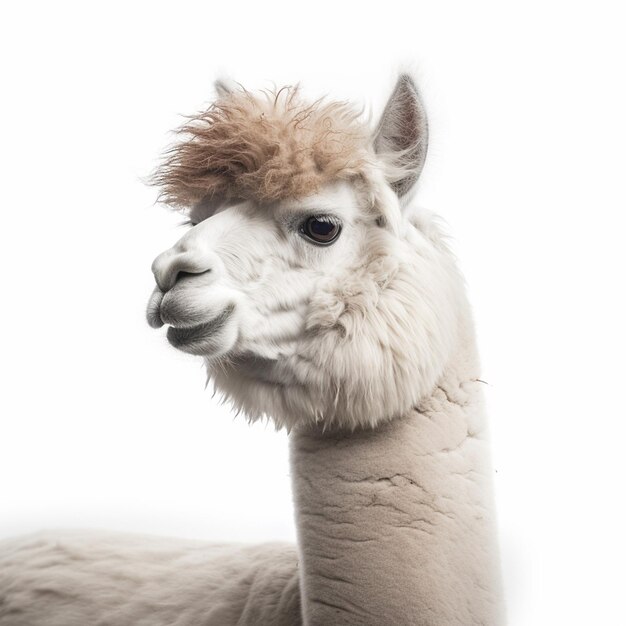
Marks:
<point>321,229</point>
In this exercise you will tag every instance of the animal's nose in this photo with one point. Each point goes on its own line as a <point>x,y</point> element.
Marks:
<point>169,265</point>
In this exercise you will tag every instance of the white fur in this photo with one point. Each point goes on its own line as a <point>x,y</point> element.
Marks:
<point>364,349</point>
<point>107,579</point>
<point>348,335</point>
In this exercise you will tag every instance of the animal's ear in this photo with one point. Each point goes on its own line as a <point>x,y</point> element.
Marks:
<point>224,87</point>
<point>402,135</point>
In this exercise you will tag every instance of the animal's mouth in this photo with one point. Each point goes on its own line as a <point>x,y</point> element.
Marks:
<point>202,339</point>
<point>153,313</point>
<point>209,338</point>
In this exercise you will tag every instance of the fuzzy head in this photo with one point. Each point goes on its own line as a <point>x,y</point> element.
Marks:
<point>310,293</point>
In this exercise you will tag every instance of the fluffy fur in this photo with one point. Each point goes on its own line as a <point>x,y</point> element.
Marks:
<point>359,331</point>
<point>395,524</point>
<point>395,528</point>
<point>263,147</point>
<point>109,579</point>
<point>363,348</point>
<point>375,335</point>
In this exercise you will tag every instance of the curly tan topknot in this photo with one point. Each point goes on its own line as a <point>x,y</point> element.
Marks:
<point>263,146</point>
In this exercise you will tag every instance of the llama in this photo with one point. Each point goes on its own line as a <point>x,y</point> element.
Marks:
<point>319,297</point>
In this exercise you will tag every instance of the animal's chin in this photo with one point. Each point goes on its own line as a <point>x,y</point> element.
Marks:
<point>259,369</point>
<point>244,374</point>
<point>211,339</point>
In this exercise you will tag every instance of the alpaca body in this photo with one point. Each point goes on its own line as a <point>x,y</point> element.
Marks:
<point>321,299</point>
<point>109,579</point>
<point>394,529</point>
<point>394,524</point>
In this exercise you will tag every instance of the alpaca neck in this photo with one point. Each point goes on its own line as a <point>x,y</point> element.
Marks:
<point>394,524</point>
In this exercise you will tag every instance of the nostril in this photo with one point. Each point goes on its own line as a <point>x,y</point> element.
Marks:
<point>186,274</point>
<point>183,275</point>
<point>170,267</point>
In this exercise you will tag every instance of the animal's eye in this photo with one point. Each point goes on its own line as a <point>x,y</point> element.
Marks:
<point>321,229</point>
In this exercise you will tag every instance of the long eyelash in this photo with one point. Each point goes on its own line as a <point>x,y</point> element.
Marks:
<point>327,218</point>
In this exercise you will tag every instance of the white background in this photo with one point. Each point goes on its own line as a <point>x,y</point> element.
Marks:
<point>104,425</point>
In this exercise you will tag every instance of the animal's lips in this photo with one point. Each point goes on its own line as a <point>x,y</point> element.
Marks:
<point>153,314</point>
<point>187,336</point>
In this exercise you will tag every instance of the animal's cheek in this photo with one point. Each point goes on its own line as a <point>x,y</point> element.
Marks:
<point>345,310</point>
<point>355,298</point>
<point>325,311</point>
<point>383,271</point>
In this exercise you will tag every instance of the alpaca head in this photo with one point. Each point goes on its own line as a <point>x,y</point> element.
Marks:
<point>309,290</point>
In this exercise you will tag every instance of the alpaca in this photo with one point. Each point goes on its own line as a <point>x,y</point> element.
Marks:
<point>320,298</point>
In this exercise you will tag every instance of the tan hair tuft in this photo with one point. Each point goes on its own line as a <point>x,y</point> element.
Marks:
<point>264,147</point>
